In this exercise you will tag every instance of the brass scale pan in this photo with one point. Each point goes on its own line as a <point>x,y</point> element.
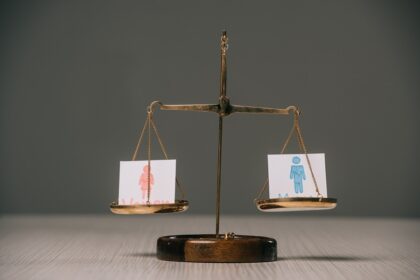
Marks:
<point>178,206</point>
<point>296,204</point>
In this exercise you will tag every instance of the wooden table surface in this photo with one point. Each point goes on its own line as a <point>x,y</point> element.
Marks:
<point>123,247</point>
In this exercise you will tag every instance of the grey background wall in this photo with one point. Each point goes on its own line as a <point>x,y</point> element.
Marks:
<point>76,77</point>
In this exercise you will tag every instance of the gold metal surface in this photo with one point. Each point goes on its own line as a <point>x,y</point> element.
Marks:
<point>178,206</point>
<point>295,204</point>
<point>223,104</point>
<point>227,109</point>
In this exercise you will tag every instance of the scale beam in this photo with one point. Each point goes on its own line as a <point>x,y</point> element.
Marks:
<point>229,109</point>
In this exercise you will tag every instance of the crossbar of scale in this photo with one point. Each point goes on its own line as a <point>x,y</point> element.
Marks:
<point>216,108</point>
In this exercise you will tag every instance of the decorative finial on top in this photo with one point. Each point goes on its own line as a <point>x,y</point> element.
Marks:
<point>224,42</point>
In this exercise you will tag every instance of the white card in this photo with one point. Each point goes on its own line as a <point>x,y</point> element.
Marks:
<point>134,182</point>
<point>289,175</point>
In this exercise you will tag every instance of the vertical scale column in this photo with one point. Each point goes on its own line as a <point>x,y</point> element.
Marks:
<point>224,105</point>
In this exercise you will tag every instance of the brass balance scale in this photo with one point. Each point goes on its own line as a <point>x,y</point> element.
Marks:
<point>227,247</point>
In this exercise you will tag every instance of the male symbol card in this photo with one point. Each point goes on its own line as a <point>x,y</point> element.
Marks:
<point>134,182</point>
<point>289,175</point>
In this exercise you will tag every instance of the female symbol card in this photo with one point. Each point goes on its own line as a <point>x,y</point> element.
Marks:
<point>134,182</point>
<point>289,175</point>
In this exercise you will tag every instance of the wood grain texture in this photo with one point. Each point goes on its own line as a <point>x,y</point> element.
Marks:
<point>121,247</point>
<point>207,248</point>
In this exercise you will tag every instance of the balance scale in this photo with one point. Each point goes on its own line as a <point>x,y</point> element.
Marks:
<point>222,247</point>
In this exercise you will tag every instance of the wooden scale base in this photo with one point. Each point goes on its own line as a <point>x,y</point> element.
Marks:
<point>211,249</point>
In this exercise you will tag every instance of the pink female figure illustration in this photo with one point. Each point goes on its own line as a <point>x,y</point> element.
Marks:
<point>144,181</point>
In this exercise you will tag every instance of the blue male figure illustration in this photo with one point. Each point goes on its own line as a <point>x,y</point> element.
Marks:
<point>297,174</point>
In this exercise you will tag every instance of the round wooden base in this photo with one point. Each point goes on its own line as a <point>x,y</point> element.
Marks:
<point>211,249</point>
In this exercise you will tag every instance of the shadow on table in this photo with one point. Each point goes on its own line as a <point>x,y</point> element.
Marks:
<point>292,258</point>
<point>144,255</point>
<point>329,258</point>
